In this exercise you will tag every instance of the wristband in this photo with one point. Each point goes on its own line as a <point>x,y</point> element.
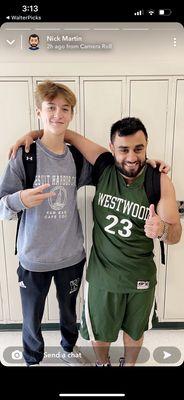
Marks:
<point>165,232</point>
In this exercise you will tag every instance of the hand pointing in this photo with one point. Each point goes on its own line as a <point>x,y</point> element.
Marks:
<point>35,197</point>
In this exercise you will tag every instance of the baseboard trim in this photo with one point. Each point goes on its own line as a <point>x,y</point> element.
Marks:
<point>18,327</point>
<point>168,325</point>
<point>55,326</point>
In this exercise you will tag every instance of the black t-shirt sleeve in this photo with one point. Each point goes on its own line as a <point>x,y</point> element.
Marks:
<point>102,162</point>
<point>83,168</point>
<point>86,174</point>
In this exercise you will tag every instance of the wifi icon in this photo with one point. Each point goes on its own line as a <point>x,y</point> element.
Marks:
<point>151,12</point>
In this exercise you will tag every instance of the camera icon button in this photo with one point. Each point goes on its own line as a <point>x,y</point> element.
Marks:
<point>16,355</point>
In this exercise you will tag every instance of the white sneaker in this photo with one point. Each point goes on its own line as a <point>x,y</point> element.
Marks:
<point>32,365</point>
<point>74,358</point>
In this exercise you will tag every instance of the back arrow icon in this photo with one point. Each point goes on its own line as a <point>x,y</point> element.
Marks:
<point>166,355</point>
<point>10,42</point>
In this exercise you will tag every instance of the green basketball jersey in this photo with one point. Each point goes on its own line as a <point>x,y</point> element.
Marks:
<point>121,258</point>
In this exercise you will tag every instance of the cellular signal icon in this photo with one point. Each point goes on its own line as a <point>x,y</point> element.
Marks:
<point>139,12</point>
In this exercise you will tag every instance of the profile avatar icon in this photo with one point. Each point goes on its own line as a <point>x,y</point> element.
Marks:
<point>34,41</point>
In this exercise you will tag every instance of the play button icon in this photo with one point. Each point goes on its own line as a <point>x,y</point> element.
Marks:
<point>167,355</point>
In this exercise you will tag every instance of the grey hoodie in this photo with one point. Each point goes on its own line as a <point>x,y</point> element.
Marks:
<point>50,235</point>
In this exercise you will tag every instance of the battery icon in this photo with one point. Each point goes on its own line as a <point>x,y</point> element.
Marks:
<point>165,12</point>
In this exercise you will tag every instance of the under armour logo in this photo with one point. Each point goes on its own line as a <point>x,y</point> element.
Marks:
<point>74,285</point>
<point>29,158</point>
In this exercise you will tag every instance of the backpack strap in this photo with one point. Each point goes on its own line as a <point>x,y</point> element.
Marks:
<point>152,184</point>
<point>153,192</point>
<point>29,162</point>
<point>78,159</point>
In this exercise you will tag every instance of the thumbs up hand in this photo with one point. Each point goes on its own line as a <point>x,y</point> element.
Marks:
<point>152,212</point>
<point>154,226</point>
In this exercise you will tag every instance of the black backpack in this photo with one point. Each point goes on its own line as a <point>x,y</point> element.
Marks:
<point>151,182</point>
<point>30,164</point>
